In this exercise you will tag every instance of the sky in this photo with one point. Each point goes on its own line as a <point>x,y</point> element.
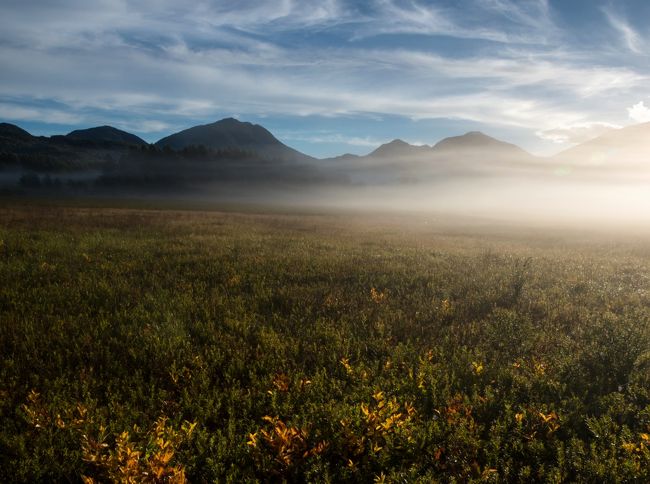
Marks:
<point>329,77</point>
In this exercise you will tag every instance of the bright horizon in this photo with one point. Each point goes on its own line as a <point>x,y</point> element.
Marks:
<point>331,77</point>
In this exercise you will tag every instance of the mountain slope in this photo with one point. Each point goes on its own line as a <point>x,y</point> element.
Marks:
<point>11,131</point>
<point>14,139</point>
<point>230,133</point>
<point>629,145</point>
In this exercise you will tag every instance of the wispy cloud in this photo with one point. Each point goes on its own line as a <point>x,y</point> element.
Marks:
<point>528,21</point>
<point>517,69</point>
<point>533,15</point>
<point>629,36</point>
<point>44,115</point>
<point>273,14</point>
<point>159,65</point>
<point>331,138</point>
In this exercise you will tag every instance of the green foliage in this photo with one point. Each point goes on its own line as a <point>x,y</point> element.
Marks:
<point>221,347</point>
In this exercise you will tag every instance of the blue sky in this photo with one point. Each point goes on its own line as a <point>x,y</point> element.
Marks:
<point>330,76</point>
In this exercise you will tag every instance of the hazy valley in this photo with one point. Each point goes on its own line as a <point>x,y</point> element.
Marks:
<point>342,241</point>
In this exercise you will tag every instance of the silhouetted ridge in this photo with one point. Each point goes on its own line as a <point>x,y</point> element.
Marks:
<point>398,148</point>
<point>475,140</point>
<point>8,130</point>
<point>106,134</point>
<point>230,133</point>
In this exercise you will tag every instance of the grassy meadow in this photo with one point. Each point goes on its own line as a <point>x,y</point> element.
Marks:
<point>141,345</point>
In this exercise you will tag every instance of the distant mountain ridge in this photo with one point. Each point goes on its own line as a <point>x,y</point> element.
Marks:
<point>472,143</point>
<point>250,150</point>
<point>471,154</point>
<point>80,150</point>
<point>230,133</point>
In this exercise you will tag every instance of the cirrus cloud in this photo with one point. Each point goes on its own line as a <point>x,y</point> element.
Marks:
<point>154,66</point>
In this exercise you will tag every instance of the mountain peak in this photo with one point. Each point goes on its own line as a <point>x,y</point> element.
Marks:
<point>397,148</point>
<point>225,133</point>
<point>231,133</point>
<point>231,121</point>
<point>474,141</point>
<point>397,142</point>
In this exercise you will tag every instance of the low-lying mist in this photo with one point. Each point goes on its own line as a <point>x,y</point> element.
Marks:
<point>524,200</point>
<point>514,199</point>
<point>602,183</point>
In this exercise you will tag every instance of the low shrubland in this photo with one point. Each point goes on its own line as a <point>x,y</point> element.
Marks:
<point>165,346</point>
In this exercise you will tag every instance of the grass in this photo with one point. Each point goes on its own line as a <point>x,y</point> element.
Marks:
<point>166,346</point>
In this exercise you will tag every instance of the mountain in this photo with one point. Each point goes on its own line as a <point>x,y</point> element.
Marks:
<point>86,149</point>
<point>230,133</point>
<point>625,146</point>
<point>106,134</point>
